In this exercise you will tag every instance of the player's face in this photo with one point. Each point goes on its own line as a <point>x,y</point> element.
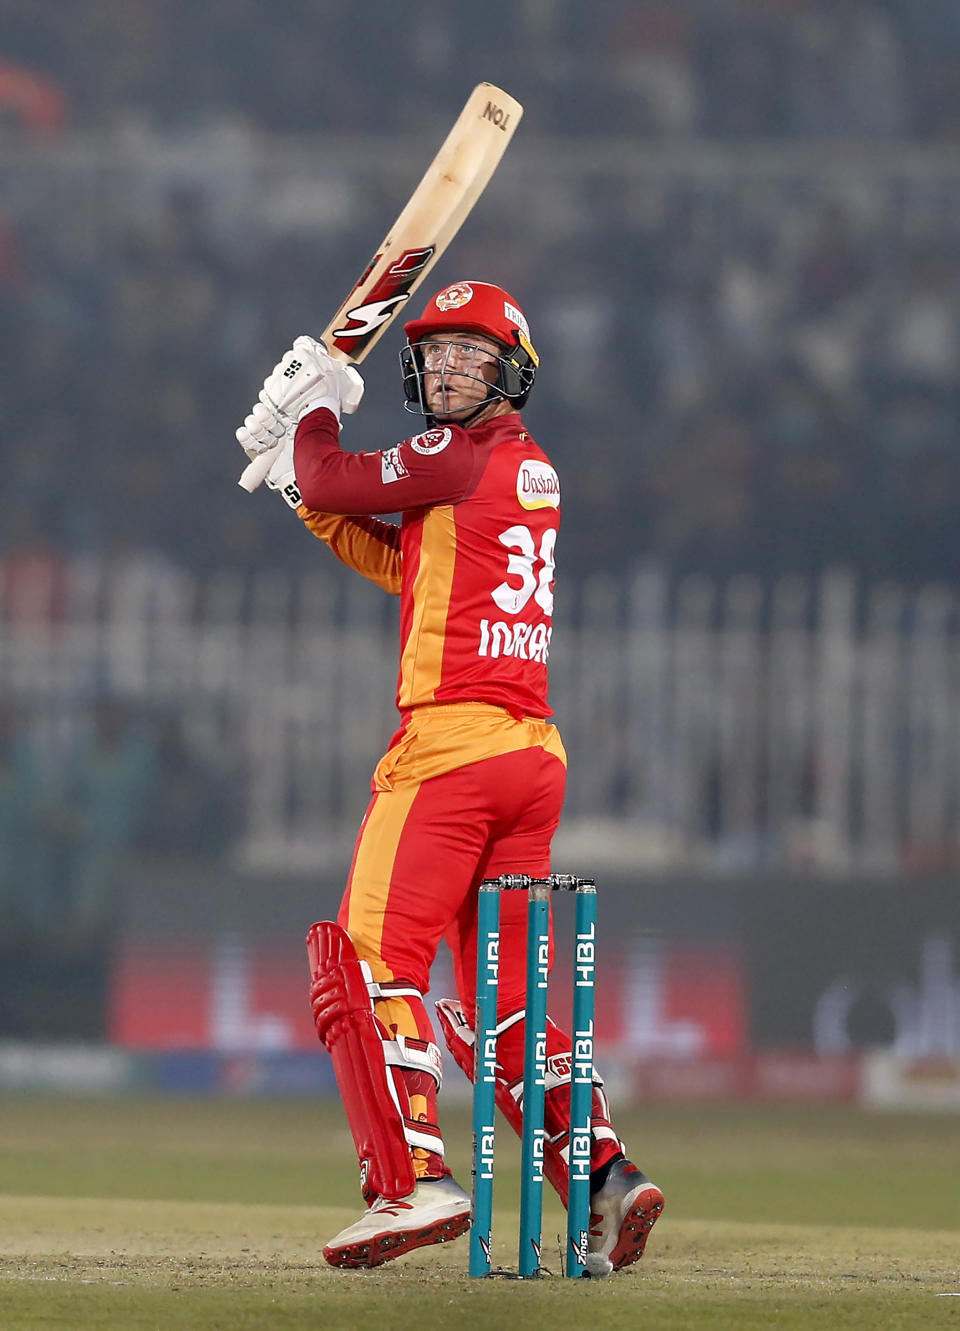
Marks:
<point>459,369</point>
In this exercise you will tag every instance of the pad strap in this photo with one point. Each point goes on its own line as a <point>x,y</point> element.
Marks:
<point>414,1055</point>
<point>388,989</point>
<point>418,1055</point>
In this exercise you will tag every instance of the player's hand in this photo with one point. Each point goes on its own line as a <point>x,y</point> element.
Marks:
<point>307,376</point>
<point>351,388</point>
<point>282,476</point>
<point>264,429</point>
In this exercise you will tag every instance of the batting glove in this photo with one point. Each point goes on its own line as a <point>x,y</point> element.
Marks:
<point>264,429</point>
<point>282,476</point>
<point>306,377</point>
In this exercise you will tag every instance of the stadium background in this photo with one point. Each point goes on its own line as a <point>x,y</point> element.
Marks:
<point>734,227</point>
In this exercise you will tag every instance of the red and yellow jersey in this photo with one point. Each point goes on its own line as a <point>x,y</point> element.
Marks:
<point>472,560</point>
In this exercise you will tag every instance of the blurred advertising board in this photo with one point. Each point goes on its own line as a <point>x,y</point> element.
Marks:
<point>841,965</point>
<point>708,988</point>
<point>665,998</point>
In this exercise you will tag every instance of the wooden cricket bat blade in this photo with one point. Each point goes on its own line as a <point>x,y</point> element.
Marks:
<point>436,210</point>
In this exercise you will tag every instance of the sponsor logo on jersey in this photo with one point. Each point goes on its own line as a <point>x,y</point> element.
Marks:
<point>391,466</point>
<point>455,297</point>
<point>538,485</point>
<point>514,316</point>
<point>431,441</point>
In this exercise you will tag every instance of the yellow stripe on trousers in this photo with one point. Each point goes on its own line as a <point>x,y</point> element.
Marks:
<point>370,891</point>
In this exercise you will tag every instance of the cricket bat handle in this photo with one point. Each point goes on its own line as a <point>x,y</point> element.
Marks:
<point>255,472</point>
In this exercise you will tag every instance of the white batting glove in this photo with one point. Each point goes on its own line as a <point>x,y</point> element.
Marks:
<point>351,388</point>
<point>264,429</point>
<point>345,389</point>
<point>282,476</point>
<point>306,377</point>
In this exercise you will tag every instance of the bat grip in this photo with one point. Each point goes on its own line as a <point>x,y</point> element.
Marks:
<point>255,472</point>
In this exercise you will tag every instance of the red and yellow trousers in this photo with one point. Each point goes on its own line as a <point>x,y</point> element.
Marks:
<point>465,792</point>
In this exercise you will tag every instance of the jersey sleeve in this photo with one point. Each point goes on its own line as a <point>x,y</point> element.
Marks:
<point>366,545</point>
<point>436,467</point>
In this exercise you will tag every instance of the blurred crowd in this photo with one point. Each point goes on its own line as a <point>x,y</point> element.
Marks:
<point>734,379</point>
<point>615,68</point>
<point>78,815</point>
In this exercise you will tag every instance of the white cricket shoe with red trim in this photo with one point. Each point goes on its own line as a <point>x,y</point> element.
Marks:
<point>437,1210</point>
<point>622,1214</point>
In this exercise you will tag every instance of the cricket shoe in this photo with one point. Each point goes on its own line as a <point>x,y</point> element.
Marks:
<point>622,1213</point>
<point>436,1210</point>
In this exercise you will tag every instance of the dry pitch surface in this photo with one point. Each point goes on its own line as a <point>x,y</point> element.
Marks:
<point>197,1214</point>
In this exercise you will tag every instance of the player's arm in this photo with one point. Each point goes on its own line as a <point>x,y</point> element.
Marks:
<point>366,545</point>
<point>435,468</point>
<point>307,377</point>
<point>306,393</point>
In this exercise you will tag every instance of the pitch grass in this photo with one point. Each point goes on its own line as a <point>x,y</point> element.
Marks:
<point>170,1214</point>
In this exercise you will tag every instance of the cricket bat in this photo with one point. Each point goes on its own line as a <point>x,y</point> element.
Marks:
<point>436,210</point>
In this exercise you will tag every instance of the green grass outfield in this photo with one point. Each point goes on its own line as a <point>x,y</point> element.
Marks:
<point>201,1214</point>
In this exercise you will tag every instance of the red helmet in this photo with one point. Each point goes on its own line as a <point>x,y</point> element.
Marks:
<point>474,307</point>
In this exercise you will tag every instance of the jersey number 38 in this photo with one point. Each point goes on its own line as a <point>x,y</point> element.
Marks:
<point>523,565</point>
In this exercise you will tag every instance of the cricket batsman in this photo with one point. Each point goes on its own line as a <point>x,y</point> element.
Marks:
<point>472,782</point>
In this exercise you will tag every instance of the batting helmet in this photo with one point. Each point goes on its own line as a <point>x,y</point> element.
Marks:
<point>473,307</point>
